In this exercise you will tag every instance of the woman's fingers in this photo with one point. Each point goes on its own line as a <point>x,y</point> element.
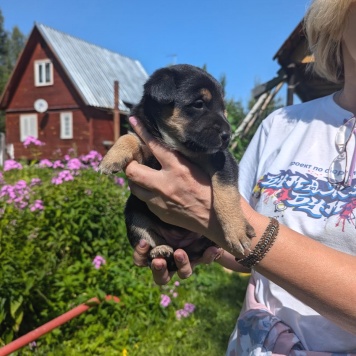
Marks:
<point>160,273</point>
<point>140,173</point>
<point>183,264</point>
<point>140,253</point>
<point>163,155</point>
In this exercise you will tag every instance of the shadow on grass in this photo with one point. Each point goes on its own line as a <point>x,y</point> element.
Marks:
<point>218,311</point>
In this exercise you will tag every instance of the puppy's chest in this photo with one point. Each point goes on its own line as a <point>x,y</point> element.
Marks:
<point>221,166</point>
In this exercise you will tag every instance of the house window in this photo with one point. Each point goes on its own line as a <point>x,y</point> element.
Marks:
<point>28,126</point>
<point>66,125</point>
<point>43,72</point>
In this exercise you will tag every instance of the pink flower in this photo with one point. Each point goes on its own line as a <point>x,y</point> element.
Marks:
<point>92,156</point>
<point>11,164</point>
<point>18,194</point>
<point>7,190</point>
<point>57,152</point>
<point>165,300</point>
<point>74,164</point>
<point>176,283</point>
<point>45,163</point>
<point>32,345</point>
<point>188,307</point>
<point>181,313</point>
<point>35,181</point>
<point>98,261</point>
<point>32,140</point>
<point>63,176</point>
<point>21,184</point>
<point>57,164</point>
<point>186,311</point>
<point>37,205</point>
<point>119,181</point>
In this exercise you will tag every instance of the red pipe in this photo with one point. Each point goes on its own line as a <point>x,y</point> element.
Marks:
<point>55,323</point>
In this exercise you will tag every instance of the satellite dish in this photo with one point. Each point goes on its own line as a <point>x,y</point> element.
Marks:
<point>40,105</point>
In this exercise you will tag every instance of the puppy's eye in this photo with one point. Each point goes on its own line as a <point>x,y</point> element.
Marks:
<point>198,104</point>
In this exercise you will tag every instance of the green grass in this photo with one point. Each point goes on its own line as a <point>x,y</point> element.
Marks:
<point>46,269</point>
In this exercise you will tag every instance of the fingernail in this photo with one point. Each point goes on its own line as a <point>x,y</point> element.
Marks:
<point>133,121</point>
<point>158,266</point>
<point>142,243</point>
<point>179,258</point>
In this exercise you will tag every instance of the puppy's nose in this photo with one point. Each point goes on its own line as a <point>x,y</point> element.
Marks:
<point>225,136</point>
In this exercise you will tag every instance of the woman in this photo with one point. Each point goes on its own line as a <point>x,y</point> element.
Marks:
<point>302,293</point>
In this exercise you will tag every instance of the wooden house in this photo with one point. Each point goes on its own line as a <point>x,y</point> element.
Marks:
<point>62,91</point>
<point>294,57</point>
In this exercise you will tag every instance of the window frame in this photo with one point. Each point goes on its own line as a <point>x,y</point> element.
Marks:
<point>40,67</point>
<point>64,135</point>
<point>30,128</point>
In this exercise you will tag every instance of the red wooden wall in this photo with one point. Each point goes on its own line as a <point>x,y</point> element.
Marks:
<point>91,126</point>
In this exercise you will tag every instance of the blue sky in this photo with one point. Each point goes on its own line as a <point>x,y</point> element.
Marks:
<point>238,38</point>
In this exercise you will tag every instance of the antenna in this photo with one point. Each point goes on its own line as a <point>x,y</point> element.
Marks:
<point>174,56</point>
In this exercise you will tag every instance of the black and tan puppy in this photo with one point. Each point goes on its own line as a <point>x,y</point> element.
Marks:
<point>183,107</point>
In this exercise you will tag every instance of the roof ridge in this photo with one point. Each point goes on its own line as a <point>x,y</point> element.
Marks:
<point>38,24</point>
<point>92,69</point>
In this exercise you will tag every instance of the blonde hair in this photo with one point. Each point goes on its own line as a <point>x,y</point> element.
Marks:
<point>324,24</point>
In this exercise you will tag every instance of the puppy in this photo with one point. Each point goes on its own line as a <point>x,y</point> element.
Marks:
<point>183,108</point>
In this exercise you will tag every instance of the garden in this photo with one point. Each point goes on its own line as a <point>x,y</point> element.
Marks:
<point>63,241</point>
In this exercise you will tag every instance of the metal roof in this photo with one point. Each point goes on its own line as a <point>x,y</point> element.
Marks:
<point>94,69</point>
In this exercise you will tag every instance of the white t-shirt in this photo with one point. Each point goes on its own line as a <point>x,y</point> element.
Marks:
<point>283,174</point>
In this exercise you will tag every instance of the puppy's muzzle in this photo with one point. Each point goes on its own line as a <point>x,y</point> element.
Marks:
<point>225,138</point>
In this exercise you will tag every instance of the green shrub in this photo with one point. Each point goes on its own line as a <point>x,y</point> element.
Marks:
<point>63,241</point>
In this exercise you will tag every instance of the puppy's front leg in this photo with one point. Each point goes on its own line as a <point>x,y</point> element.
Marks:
<point>126,149</point>
<point>223,170</point>
<point>237,230</point>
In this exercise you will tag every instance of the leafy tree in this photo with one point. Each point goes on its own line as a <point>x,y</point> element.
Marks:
<point>16,45</point>
<point>11,45</point>
<point>4,51</point>
<point>235,112</point>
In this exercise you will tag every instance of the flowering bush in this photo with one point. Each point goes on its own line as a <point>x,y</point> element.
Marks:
<point>63,241</point>
<point>32,141</point>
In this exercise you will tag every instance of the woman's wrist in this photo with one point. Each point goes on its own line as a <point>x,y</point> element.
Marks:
<point>260,224</point>
<point>262,247</point>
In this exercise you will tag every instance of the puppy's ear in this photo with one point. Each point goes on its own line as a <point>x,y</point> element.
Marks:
<point>161,86</point>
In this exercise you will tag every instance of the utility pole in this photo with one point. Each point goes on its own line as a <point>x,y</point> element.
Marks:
<point>116,111</point>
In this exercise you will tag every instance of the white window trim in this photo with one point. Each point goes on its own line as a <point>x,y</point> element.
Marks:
<point>38,64</point>
<point>28,126</point>
<point>66,118</point>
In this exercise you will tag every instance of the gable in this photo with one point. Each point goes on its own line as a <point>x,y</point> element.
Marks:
<point>91,70</point>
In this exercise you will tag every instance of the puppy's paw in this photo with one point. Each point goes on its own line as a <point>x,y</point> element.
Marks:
<point>250,231</point>
<point>163,251</point>
<point>166,252</point>
<point>124,150</point>
<point>110,165</point>
<point>240,243</point>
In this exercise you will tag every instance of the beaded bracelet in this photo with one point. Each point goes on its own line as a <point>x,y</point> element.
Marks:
<point>263,246</point>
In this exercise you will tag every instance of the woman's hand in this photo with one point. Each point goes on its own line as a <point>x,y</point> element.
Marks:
<point>179,194</point>
<point>160,273</point>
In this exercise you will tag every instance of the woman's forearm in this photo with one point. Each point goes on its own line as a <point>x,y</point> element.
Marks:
<point>319,276</point>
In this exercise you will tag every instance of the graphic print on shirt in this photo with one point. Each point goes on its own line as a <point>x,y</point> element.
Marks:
<point>309,194</point>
